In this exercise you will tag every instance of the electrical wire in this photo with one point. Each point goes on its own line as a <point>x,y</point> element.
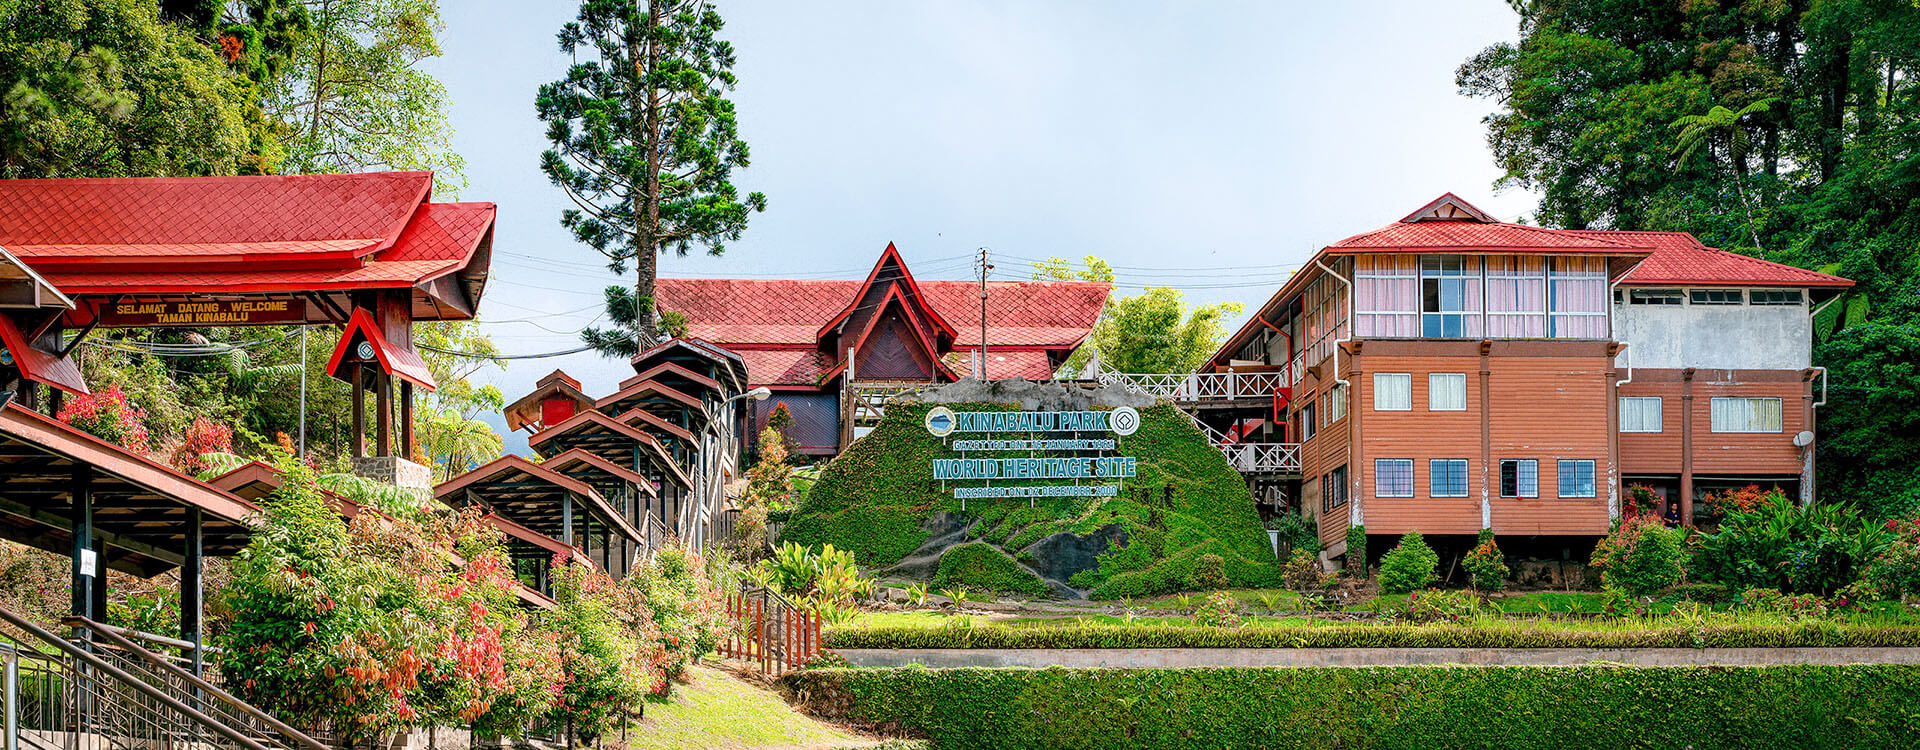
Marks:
<point>474,355</point>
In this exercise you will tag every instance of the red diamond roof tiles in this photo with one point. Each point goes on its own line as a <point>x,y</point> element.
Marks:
<point>1681,259</point>
<point>1460,236</point>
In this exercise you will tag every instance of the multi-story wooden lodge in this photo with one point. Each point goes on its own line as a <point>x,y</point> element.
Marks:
<point>1450,372</point>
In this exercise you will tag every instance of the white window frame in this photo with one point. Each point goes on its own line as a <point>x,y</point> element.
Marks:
<point>1433,476</point>
<point>1560,478</point>
<point>1433,389</point>
<point>1519,487</point>
<point>1308,427</point>
<point>1725,404</point>
<point>1659,414</point>
<point>1379,402</point>
<point>1413,480</point>
<point>1657,297</point>
<point>1696,297</point>
<point>1336,403</point>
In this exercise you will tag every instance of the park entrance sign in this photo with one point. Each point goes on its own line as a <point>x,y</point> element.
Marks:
<point>1031,432</point>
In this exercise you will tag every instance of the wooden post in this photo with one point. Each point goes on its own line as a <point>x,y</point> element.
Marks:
<point>566,519</point>
<point>406,419</point>
<point>383,413</point>
<point>191,593</point>
<point>359,388</point>
<point>86,567</point>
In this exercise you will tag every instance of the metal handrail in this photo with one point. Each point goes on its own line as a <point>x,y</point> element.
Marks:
<point>107,668</point>
<point>196,681</point>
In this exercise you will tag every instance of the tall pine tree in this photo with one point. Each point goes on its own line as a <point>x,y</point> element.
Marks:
<point>644,142</point>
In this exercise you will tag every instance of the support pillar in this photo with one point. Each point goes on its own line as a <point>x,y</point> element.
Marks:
<point>1686,447</point>
<point>192,593</point>
<point>566,519</point>
<point>86,565</point>
<point>406,419</point>
<point>359,389</point>
<point>383,414</point>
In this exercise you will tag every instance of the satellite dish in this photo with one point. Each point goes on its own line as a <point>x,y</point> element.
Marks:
<point>1803,439</point>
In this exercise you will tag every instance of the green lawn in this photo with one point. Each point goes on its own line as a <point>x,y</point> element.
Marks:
<point>717,710</point>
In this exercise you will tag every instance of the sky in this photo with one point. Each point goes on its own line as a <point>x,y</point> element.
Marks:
<point>1207,145</point>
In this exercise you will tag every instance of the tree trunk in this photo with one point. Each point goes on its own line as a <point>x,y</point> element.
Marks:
<point>647,255</point>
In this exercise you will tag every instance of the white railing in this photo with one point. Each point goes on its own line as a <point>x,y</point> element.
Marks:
<point>1262,458</point>
<point>1199,386</point>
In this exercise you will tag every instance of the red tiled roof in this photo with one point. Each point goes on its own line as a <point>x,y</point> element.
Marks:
<point>784,366</point>
<point>403,361</point>
<point>251,234</point>
<point>1680,258</point>
<point>1004,363</point>
<point>779,311</point>
<point>1475,236</point>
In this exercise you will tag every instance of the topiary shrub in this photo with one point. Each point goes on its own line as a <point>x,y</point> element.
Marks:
<point>1640,557</point>
<point>984,567</point>
<point>1209,572</point>
<point>1486,564</point>
<point>1357,551</point>
<point>1409,566</point>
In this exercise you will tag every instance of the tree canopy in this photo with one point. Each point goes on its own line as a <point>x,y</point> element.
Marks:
<point>644,142</point>
<point>1154,331</point>
<point>1813,114</point>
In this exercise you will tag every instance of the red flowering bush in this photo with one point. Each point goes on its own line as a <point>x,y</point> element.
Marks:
<point>202,437</point>
<point>108,415</point>
<point>1486,564</point>
<point>1642,500</point>
<point>1895,572</point>
<point>611,652</point>
<point>1641,556</point>
<point>688,610</point>
<point>1737,500</point>
<point>373,628</point>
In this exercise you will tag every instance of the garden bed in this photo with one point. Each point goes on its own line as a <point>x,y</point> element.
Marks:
<point>1860,706</point>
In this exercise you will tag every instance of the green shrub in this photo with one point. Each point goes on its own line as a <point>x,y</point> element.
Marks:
<point>984,567</point>
<point>1772,602</point>
<point>1218,611</point>
<point>1895,572</point>
<point>1859,706</point>
<point>1303,575</point>
<point>1705,593</point>
<point>1441,606</point>
<point>1363,635</point>
<point>1209,572</point>
<point>1409,566</point>
<point>1486,565</point>
<point>1779,545</point>
<point>1357,551</point>
<point>1296,532</point>
<point>1640,557</point>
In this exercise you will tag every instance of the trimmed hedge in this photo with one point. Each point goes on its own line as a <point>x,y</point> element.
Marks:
<point>874,499</point>
<point>1773,707</point>
<point>982,566</point>
<point>1369,636</point>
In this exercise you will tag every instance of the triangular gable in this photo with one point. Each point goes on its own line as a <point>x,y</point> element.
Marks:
<point>530,409</point>
<point>890,258</point>
<point>592,420</point>
<point>639,389</point>
<point>577,457</point>
<point>401,361</point>
<point>645,420</point>
<point>36,364</point>
<point>728,360</point>
<point>893,300</point>
<point>1448,207</point>
<point>21,286</point>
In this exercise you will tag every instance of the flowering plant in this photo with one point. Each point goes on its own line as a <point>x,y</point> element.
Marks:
<point>108,415</point>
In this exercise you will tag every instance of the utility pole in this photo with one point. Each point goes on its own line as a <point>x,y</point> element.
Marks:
<point>303,392</point>
<point>985,266</point>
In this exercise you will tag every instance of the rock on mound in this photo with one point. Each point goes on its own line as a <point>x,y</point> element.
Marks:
<point>879,500</point>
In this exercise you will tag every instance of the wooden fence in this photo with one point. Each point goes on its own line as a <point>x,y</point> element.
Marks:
<point>771,630</point>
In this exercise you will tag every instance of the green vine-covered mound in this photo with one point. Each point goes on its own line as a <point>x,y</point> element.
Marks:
<point>978,565</point>
<point>875,499</point>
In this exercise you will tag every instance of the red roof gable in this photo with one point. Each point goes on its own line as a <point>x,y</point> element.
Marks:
<point>402,361</point>
<point>37,365</point>
<point>1681,259</point>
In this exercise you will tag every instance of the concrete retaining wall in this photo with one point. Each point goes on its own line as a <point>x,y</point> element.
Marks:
<point>1369,657</point>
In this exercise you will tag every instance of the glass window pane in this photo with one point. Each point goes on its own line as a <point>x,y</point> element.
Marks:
<point>1392,391</point>
<point>1393,477</point>
<point>1576,478</point>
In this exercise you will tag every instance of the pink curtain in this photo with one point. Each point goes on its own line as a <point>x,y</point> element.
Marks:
<point>1579,290</point>
<point>1516,297</point>
<point>1386,296</point>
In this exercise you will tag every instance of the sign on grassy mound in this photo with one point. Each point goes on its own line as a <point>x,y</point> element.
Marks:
<point>1039,489</point>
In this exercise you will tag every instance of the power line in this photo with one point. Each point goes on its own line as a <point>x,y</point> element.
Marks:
<point>476,355</point>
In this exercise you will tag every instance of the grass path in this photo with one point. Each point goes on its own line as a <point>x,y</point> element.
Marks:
<point>718,710</point>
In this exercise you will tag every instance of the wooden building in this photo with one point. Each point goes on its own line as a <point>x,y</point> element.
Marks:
<point>832,351</point>
<point>1450,372</point>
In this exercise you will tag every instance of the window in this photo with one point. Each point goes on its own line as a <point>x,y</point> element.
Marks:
<point>1519,477</point>
<point>1448,297</point>
<point>1776,296</point>
<point>1307,427</point>
<point>1745,414</point>
<point>1447,391</point>
<point>1516,296</point>
<point>1393,477</point>
<point>1576,477</point>
<point>1333,490</point>
<point>1336,403</point>
<point>1577,298</point>
<point>1639,413</point>
<point>1716,297</point>
<point>1392,391</point>
<point>1447,477</point>
<point>1655,297</point>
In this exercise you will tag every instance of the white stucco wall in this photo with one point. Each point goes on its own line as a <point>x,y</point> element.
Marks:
<point>1716,337</point>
